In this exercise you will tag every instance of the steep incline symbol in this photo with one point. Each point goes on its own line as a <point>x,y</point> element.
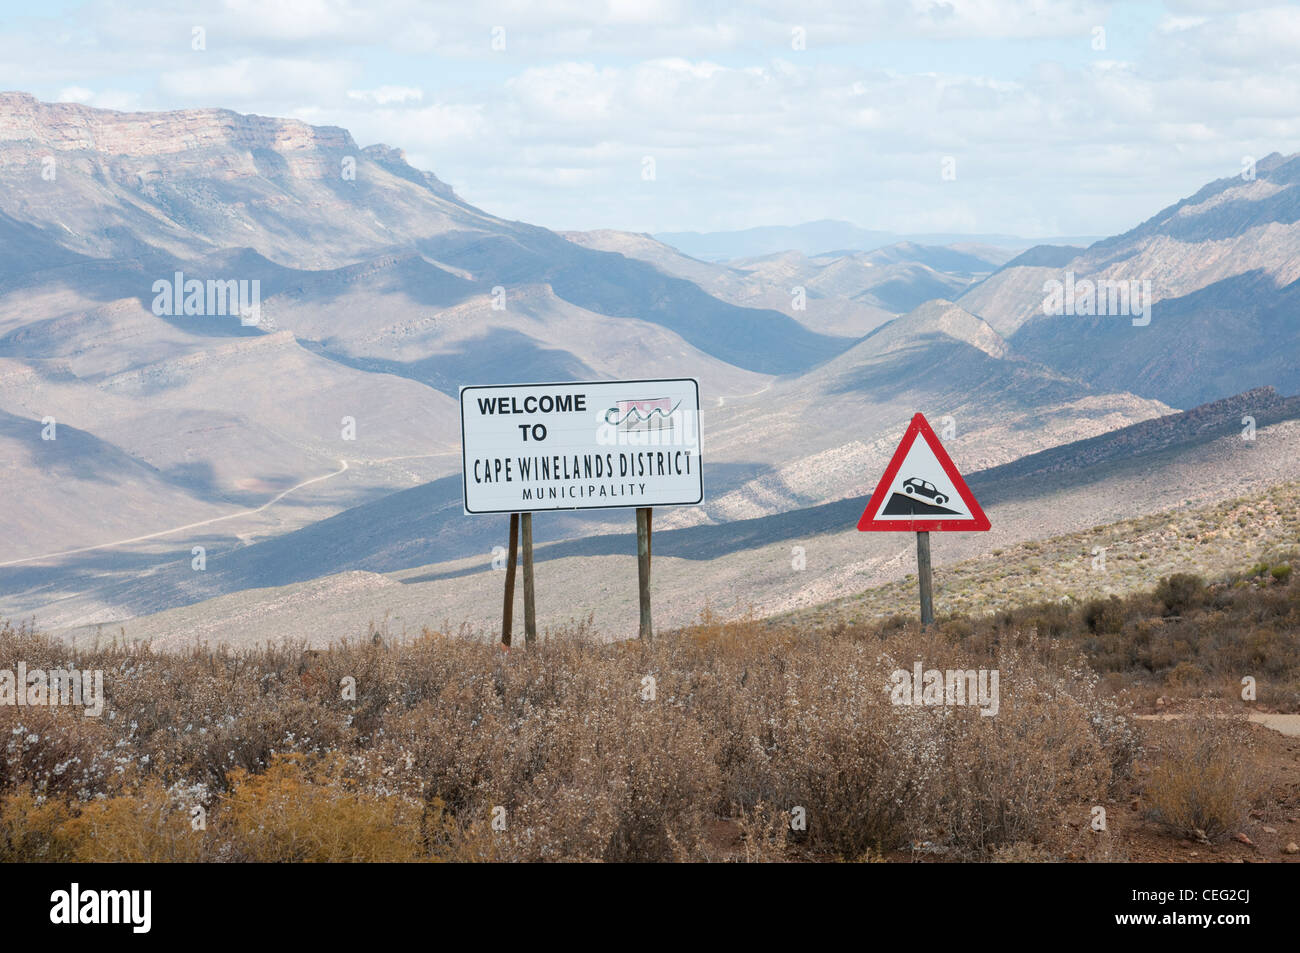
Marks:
<point>900,505</point>
<point>922,489</point>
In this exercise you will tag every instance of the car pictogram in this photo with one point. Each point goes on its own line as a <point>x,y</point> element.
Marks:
<point>916,487</point>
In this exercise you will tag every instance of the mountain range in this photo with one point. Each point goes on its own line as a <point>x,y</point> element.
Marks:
<point>822,237</point>
<point>316,445</point>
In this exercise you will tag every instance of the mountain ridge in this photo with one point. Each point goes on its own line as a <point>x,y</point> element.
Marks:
<point>381,293</point>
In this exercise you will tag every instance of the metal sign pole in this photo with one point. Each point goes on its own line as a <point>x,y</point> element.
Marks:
<point>923,574</point>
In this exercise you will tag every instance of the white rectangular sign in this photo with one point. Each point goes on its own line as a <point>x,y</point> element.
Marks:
<point>583,446</point>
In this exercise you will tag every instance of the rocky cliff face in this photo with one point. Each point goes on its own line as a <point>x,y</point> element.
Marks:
<point>212,143</point>
<point>112,184</point>
<point>70,127</point>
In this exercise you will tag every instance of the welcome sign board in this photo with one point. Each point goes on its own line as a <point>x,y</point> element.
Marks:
<point>581,446</point>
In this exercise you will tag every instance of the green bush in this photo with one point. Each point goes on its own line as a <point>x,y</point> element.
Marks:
<point>1104,615</point>
<point>1180,592</point>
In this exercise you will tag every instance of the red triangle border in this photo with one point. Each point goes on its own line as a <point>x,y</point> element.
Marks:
<point>921,427</point>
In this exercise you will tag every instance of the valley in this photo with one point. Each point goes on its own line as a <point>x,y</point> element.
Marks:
<point>312,457</point>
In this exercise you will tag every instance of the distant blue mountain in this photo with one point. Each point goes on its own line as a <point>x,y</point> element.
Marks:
<point>814,238</point>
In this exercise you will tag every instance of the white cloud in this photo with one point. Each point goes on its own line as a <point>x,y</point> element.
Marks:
<point>1257,38</point>
<point>385,95</point>
<point>75,94</point>
<point>1173,24</point>
<point>102,99</point>
<point>744,129</point>
<point>248,80</point>
<point>293,19</point>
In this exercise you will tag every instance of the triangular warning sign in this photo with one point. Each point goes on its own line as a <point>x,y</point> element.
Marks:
<point>921,490</point>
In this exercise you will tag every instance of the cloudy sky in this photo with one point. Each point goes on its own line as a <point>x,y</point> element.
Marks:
<point>1059,117</point>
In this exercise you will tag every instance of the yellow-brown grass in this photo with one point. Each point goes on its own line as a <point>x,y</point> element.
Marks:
<point>571,750</point>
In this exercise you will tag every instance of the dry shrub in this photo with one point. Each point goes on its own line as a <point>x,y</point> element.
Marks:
<point>747,720</point>
<point>150,826</point>
<point>1205,778</point>
<point>1054,742</point>
<point>1184,675</point>
<point>563,740</point>
<point>302,810</point>
<point>295,811</point>
<point>1012,773</point>
<point>57,752</point>
<point>1105,615</point>
<point>872,775</point>
<point>203,715</point>
<point>31,829</point>
<point>764,834</point>
<point>865,771</point>
<point>1023,852</point>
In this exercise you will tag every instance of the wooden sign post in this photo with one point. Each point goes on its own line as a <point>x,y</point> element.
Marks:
<point>643,527</point>
<point>508,610</point>
<point>530,612</point>
<point>923,574</point>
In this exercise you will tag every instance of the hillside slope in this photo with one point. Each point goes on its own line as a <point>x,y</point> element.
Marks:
<point>752,564</point>
<point>1223,267</point>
